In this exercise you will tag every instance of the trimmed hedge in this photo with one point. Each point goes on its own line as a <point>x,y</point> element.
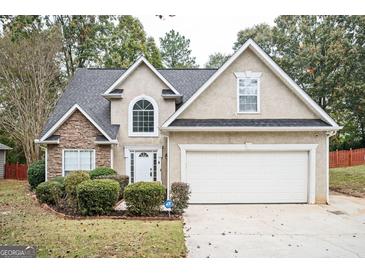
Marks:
<point>50,192</point>
<point>101,171</point>
<point>144,198</point>
<point>180,194</point>
<point>96,197</point>
<point>36,173</point>
<point>71,181</point>
<point>123,181</point>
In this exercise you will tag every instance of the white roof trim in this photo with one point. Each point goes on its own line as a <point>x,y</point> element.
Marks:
<point>132,68</point>
<point>37,141</point>
<point>274,67</point>
<point>112,142</point>
<point>66,116</point>
<point>251,129</point>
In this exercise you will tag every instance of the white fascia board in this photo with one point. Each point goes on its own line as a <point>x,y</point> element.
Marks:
<point>112,142</point>
<point>252,129</point>
<point>274,67</point>
<point>66,116</point>
<point>37,141</point>
<point>113,96</point>
<point>132,68</point>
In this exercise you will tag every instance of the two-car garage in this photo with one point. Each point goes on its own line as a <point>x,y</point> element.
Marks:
<point>249,173</point>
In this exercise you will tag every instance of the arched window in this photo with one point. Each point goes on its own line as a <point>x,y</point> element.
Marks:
<point>143,117</point>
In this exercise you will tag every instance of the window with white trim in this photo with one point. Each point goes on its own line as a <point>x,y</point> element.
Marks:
<point>78,159</point>
<point>143,117</point>
<point>248,95</point>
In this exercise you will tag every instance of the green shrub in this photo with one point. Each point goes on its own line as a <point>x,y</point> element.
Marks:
<point>50,192</point>
<point>180,194</point>
<point>144,198</point>
<point>96,197</point>
<point>59,179</point>
<point>121,179</point>
<point>36,173</point>
<point>102,171</point>
<point>71,181</point>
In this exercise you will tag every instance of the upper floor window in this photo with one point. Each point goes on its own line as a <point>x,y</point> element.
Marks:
<point>143,117</point>
<point>248,92</point>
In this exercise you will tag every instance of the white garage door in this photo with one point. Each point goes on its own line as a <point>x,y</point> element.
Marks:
<point>247,177</point>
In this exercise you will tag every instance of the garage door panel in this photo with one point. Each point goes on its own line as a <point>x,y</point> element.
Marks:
<point>247,177</point>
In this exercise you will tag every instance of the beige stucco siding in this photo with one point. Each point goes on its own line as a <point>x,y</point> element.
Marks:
<point>141,82</point>
<point>177,138</point>
<point>219,100</point>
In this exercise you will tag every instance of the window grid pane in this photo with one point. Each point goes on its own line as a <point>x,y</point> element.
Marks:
<point>78,160</point>
<point>248,89</point>
<point>143,117</point>
<point>132,167</point>
<point>155,166</point>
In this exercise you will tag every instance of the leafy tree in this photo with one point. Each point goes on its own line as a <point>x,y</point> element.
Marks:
<point>153,53</point>
<point>30,81</point>
<point>175,51</point>
<point>79,36</point>
<point>262,34</point>
<point>22,26</point>
<point>216,60</point>
<point>126,43</point>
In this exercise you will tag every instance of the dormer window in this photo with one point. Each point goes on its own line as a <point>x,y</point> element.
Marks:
<point>248,92</point>
<point>143,112</point>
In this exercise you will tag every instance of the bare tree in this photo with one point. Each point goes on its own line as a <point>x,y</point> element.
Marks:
<point>29,86</point>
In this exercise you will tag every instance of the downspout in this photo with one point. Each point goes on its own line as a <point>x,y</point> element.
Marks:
<point>328,135</point>
<point>45,162</point>
<point>168,164</point>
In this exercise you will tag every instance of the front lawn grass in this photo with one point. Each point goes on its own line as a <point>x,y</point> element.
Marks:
<point>24,222</point>
<point>348,180</point>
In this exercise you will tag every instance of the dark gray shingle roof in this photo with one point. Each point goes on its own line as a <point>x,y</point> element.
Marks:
<point>249,123</point>
<point>87,86</point>
<point>53,138</point>
<point>4,147</point>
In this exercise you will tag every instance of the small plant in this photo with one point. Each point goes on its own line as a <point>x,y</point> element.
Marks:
<point>96,197</point>
<point>180,194</point>
<point>60,179</point>
<point>71,181</point>
<point>50,192</point>
<point>36,173</point>
<point>102,171</point>
<point>144,198</point>
<point>121,179</point>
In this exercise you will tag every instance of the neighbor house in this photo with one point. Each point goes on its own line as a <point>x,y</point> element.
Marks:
<point>243,133</point>
<point>3,149</point>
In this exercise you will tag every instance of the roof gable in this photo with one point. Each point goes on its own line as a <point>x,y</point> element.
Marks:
<point>274,68</point>
<point>66,116</point>
<point>132,68</point>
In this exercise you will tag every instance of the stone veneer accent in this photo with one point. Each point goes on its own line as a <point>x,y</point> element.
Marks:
<point>77,132</point>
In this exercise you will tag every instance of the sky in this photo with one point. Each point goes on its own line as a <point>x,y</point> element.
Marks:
<point>207,34</point>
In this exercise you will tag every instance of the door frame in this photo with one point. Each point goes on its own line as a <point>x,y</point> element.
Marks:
<point>310,148</point>
<point>142,148</point>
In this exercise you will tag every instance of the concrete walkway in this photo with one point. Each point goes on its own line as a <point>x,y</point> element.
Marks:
<point>336,230</point>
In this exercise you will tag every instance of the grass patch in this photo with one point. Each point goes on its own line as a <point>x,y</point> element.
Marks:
<point>24,222</point>
<point>348,180</point>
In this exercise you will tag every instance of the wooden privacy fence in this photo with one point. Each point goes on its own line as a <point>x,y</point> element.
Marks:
<point>344,158</point>
<point>16,171</point>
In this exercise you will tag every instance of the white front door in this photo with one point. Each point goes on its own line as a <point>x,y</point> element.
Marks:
<point>143,166</point>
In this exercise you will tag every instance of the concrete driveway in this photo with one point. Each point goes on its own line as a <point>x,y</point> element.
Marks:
<point>336,230</point>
